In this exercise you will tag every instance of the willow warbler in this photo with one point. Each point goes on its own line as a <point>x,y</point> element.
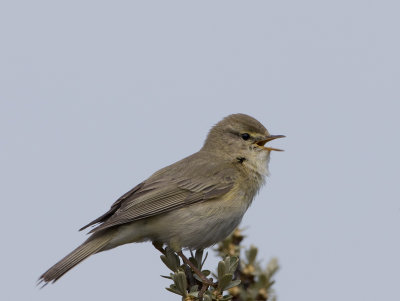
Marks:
<point>193,203</point>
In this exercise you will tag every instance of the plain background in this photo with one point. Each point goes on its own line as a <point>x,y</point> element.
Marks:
<point>95,96</point>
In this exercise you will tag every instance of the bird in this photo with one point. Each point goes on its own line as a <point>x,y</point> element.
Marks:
<point>191,204</point>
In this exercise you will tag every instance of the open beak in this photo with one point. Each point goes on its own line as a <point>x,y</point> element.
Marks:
<point>261,143</point>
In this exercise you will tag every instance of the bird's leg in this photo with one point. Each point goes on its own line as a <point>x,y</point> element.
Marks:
<point>207,282</point>
<point>203,278</point>
<point>159,247</point>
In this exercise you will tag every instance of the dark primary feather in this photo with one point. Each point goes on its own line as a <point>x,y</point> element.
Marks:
<point>170,188</point>
<point>114,207</point>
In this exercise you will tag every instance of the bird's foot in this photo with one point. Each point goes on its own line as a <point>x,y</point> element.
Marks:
<point>207,282</point>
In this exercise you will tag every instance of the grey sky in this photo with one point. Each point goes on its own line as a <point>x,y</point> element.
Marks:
<point>95,96</point>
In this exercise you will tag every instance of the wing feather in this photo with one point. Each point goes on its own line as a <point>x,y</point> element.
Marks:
<point>162,193</point>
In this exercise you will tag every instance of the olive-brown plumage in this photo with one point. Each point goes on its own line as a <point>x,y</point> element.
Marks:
<point>193,203</point>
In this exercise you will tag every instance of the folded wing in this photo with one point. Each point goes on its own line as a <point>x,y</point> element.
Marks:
<point>162,194</point>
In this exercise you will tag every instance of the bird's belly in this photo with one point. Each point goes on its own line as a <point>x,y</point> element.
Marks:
<point>197,226</point>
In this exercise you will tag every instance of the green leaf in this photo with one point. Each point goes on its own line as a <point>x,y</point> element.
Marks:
<point>233,283</point>
<point>206,272</point>
<point>224,281</point>
<point>221,269</point>
<point>204,260</point>
<point>234,261</point>
<point>194,294</point>
<point>165,260</point>
<point>199,258</point>
<point>173,290</point>
<point>171,260</point>
<point>227,262</point>
<point>197,277</point>
<point>272,267</point>
<point>251,254</point>
<point>194,288</point>
<point>180,282</point>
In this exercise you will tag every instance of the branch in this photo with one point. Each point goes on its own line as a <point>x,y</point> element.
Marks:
<point>238,279</point>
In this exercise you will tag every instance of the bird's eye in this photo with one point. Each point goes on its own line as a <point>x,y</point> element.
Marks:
<point>245,136</point>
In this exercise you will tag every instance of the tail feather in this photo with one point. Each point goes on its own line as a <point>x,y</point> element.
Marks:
<point>93,245</point>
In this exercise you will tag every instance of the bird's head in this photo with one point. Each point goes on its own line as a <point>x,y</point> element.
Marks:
<point>240,137</point>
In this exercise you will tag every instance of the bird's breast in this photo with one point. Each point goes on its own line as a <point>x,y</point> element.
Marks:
<point>203,224</point>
